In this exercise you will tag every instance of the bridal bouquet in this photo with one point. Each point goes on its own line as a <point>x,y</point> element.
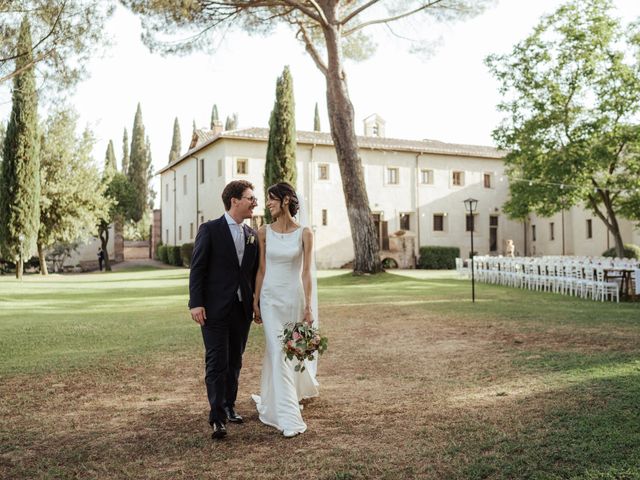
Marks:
<point>301,341</point>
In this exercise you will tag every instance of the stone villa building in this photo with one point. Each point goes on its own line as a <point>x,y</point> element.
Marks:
<point>415,186</point>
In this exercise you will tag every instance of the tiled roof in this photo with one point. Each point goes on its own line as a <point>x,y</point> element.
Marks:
<point>373,143</point>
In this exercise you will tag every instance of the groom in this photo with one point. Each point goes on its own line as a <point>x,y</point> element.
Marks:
<point>221,283</point>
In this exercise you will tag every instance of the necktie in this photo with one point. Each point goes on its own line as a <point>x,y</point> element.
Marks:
<point>239,242</point>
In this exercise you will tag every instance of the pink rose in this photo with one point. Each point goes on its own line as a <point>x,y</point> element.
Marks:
<point>296,336</point>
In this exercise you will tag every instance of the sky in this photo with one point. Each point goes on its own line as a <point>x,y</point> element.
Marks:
<point>449,96</point>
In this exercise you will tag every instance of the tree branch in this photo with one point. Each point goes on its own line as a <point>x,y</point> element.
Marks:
<point>392,19</point>
<point>356,12</point>
<point>36,59</point>
<point>40,42</point>
<point>315,55</point>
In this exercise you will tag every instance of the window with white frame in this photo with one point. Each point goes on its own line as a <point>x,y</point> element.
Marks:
<point>487,180</point>
<point>457,179</point>
<point>533,233</point>
<point>438,222</point>
<point>202,170</point>
<point>426,177</point>
<point>589,228</point>
<point>405,221</point>
<point>325,217</point>
<point>470,222</point>
<point>166,192</point>
<point>184,184</point>
<point>323,171</point>
<point>180,233</point>
<point>393,176</point>
<point>552,231</point>
<point>242,166</point>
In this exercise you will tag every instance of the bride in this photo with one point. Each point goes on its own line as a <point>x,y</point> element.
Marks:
<point>283,295</point>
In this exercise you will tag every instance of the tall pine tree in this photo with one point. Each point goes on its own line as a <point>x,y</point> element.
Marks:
<point>138,166</point>
<point>176,144</point>
<point>110,162</point>
<point>280,163</point>
<point>214,116</point>
<point>316,120</point>
<point>125,152</point>
<point>20,178</point>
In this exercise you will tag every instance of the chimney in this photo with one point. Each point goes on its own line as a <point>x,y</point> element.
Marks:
<point>374,126</point>
<point>217,127</point>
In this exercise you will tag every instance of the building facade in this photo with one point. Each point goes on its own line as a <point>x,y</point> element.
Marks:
<point>415,186</point>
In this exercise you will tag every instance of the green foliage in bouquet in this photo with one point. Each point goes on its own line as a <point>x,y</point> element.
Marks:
<point>302,341</point>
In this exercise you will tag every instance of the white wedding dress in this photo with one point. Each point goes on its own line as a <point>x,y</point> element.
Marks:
<point>281,303</point>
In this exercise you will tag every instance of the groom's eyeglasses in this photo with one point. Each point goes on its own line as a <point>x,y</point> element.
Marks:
<point>252,199</point>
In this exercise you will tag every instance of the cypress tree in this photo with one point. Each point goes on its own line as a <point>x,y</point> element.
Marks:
<point>176,144</point>
<point>232,122</point>
<point>316,120</point>
<point>214,116</point>
<point>280,163</point>
<point>20,185</point>
<point>138,166</point>
<point>125,152</point>
<point>110,162</point>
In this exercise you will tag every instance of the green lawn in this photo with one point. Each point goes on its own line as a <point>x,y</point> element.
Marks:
<point>101,377</point>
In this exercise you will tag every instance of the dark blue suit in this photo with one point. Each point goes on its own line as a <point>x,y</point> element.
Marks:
<point>214,281</point>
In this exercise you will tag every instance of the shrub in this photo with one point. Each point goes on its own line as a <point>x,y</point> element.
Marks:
<point>438,258</point>
<point>173,254</point>
<point>630,251</point>
<point>163,253</point>
<point>157,255</point>
<point>186,249</point>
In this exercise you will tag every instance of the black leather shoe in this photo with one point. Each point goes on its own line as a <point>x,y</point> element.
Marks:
<point>232,416</point>
<point>219,430</point>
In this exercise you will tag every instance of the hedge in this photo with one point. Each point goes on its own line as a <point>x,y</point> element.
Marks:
<point>438,258</point>
<point>163,253</point>
<point>173,255</point>
<point>630,251</point>
<point>186,249</point>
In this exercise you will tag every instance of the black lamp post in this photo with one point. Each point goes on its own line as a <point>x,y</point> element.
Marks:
<point>471,204</point>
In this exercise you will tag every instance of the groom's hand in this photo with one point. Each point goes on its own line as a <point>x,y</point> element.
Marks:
<point>199,315</point>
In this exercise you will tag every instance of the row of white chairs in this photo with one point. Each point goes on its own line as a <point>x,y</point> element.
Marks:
<point>577,276</point>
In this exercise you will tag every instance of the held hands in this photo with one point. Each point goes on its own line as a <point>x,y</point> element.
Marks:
<point>256,314</point>
<point>198,315</point>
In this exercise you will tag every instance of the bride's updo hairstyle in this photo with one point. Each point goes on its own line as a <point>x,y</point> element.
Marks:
<point>281,190</point>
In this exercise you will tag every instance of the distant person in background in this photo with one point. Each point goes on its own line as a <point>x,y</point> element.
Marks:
<point>100,257</point>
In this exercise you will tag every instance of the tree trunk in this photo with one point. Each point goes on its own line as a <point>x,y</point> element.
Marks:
<point>19,268</point>
<point>341,120</point>
<point>103,233</point>
<point>43,262</point>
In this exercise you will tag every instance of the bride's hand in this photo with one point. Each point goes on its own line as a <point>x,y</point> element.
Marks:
<point>308,317</point>
<point>256,314</point>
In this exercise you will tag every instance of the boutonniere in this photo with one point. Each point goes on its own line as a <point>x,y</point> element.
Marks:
<point>251,239</point>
